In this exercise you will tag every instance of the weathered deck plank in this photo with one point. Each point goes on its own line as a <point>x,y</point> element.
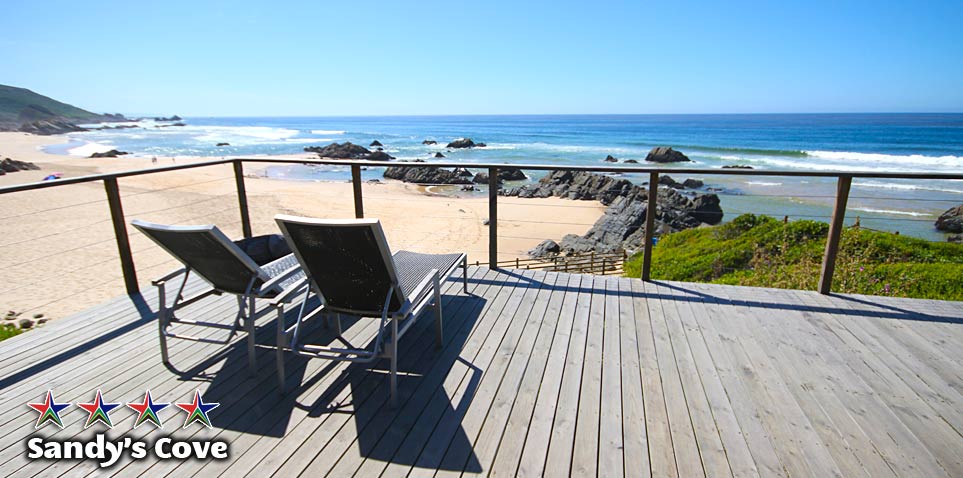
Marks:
<point>541,373</point>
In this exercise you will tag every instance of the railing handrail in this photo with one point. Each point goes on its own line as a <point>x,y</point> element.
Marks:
<point>843,181</point>
<point>533,167</point>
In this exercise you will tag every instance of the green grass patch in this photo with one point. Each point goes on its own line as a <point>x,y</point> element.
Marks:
<point>761,251</point>
<point>7,331</point>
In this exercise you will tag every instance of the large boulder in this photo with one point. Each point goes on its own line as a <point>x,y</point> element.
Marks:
<point>12,165</point>
<point>429,142</point>
<point>611,159</point>
<point>379,156</point>
<point>426,175</point>
<point>346,150</point>
<point>504,174</point>
<point>664,154</point>
<point>439,155</point>
<point>951,220</point>
<point>461,143</point>
<point>109,154</point>
<point>546,248</point>
<point>375,143</point>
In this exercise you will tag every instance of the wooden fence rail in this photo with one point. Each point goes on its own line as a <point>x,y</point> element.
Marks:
<point>114,201</point>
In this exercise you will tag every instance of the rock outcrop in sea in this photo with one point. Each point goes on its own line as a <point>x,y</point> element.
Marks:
<point>461,143</point>
<point>622,227</point>
<point>951,220</point>
<point>664,154</point>
<point>109,154</point>
<point>348,150</point>
<point>49,127</point>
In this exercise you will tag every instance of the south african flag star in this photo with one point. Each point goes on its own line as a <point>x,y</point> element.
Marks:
<point>99,411</point>
<point>197,410</point>
<point>49,411</point>
<point>147,411</point>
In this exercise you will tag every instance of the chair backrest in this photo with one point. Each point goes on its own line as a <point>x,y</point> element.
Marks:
<point>347,261</point>
<point>208,253</point>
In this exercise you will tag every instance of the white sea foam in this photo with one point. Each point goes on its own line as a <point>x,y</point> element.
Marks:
<point>891,211</point>
<point>88,148</point>
<point>906,187</point>
<point>326,131</point>
<point>763,183</point>
<point>239,134</point>
<point>915,159</point>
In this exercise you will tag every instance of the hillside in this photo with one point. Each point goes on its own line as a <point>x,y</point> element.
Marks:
<point>761,251</point>
<point>20,106</point>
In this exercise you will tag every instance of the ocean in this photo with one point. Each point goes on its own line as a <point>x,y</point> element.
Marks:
<point>804,142</point>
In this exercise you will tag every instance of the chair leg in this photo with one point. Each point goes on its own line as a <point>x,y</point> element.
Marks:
<point>337,324</point>
<point>393,379</point>
<point>249,324</point>
<point>439,331</point>
<point>161,331</point>
<point>279,356</point>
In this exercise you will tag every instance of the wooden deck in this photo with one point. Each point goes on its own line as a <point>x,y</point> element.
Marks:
<point>541,374</point>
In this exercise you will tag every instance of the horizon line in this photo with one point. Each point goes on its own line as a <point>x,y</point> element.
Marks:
<point>437,115</point>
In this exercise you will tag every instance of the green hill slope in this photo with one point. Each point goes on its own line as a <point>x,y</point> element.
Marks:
<point>761,251</point>
<point>20,105</point>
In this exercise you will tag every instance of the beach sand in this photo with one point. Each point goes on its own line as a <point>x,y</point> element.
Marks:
<point>59,256</point>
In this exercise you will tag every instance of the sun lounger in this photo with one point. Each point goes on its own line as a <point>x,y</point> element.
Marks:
<point>348,264</point>
<point>209,254</point>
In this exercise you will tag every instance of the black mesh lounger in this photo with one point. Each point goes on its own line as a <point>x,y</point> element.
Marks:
<point>347,263</point>
<point>208,253</point>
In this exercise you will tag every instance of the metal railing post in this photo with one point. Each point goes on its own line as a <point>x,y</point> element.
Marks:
<point>120,233</point>
<point>242,198</point>
<point>493,217</point>
<point>650,208</point>
<point>356,185</point>
<point>835,229</point>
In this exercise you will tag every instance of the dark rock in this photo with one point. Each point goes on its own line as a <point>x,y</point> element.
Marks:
<point>666,180</point>
<point>172,118</point>
<point>481,145</point>
<point>375,143</point>
<point>737,166</point>
<point>663,154</point>
<point>381,149</point>
<point>693,183</point>
<point>109,154</point>
<point>425,175</point>
<point>630,161</point>
<point>463,172</point>
<point>611,159</point>
<point>957,238</point>
<point>480,178</point>
<point>621,227</point>
<point>49,127</point>
<point>547,248</point>
<point>461,143</point>
<point>951,220</point>
<point>25,323</point>
<point>379,156</point>
<point>375,180</point>
<point>439,155</point>
<point>223,144</point>
<point>429,141</point>
<point>468,187</point>
<point>511,174</point>
<point>345,150</point>
<point>12,165</point>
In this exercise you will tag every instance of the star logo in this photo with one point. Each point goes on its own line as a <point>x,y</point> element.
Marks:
<point>147,411</point>
<point>99,411</point>
<point>197,410</point>
<point>49,411</point>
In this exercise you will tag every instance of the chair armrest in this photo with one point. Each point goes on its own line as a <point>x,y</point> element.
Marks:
<point>423,287</point>
<point>275,281</point>
<point>287,294</point>
<point>157,282</point>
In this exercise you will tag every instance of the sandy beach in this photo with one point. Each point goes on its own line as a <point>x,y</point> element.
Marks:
<point>59,256</point>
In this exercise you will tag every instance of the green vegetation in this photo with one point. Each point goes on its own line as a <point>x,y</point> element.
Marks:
<point>20,105</point>
<point>761,251</point>
<point>7,331</point>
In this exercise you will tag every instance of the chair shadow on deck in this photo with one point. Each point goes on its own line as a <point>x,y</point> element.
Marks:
<point>253,404</point>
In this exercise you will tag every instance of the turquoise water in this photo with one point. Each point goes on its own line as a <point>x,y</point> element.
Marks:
<point>830,142</point>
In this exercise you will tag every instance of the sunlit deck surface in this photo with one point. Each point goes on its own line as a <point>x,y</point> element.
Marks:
<point>540,373</point>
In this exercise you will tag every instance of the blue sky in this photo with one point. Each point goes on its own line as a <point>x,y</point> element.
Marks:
<point>255,58</point>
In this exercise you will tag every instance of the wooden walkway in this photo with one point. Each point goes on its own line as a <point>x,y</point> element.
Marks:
<point>541,374</point>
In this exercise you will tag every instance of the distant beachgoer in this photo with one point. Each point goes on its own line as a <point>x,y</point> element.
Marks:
<point>153,159</point>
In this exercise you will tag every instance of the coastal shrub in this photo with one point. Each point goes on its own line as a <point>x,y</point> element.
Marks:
<point>761,251</point>
<point>7,331</point>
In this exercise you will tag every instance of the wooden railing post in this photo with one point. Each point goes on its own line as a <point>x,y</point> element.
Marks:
<point>242,198</point>
<point>120,234</point>
<point>650,208</point>
<point>356,185</point>
<point>835,229</point>
<point>493,217</point>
